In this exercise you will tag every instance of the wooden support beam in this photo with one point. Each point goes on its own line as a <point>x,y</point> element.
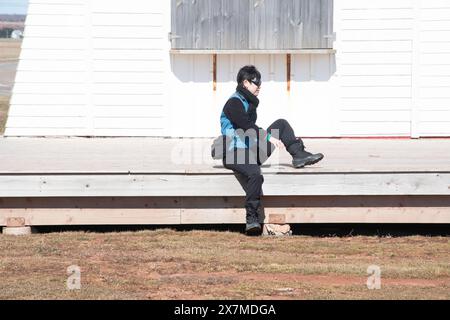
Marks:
<point>288,72</point>
<point>187,185</point>
<point>253,51</point>
<point>224,210</point>
<point>215,72</point>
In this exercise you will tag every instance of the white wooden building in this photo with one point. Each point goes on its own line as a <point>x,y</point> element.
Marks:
<point>108,68</point>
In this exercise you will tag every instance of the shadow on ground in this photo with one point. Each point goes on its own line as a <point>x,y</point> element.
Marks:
<point>316,230</point>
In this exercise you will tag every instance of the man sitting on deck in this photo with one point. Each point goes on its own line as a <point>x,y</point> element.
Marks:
<point>249,146</point>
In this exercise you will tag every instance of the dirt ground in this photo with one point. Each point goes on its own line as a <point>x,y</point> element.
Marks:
<point>169,264</point>
<point>9,49</point>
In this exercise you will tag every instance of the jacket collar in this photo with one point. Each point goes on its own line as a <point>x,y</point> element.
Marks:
<point>247,95</point>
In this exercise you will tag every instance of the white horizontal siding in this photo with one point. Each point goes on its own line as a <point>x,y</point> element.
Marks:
<point>90,67</point>
<point>54,20</point>
<point>373,128</point>
<point>434,78</point>
<point>393,63</point>
<point>45,132</point>
<point>387,104</point>
<point>374,65</point>
<point>49,77</point>
<point>47,110</point>
<point>147,77</point>
<point>100,67</point>
<point>97,88</point>
<point>71,122</point>
<point>48,99</point>
<point>56,8</point>
<point>49,95</point>
<point>375,115</point>
<point>129,111</point>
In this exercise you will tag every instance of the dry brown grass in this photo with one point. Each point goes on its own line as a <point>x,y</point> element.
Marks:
<point>4,107</point>
<point>9,49</point>
<point>166,264</point>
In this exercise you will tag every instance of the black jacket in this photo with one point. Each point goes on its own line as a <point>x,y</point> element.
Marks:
<point>235,112</point>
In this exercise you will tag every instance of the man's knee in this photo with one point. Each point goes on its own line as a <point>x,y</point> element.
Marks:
<point>256,178</point>
<point>278,125</point>
<point>282,122</point>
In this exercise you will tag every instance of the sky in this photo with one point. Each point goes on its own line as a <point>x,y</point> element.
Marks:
<point>13,6</point>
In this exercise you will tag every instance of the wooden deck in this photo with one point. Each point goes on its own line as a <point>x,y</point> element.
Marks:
<point>101,181</point>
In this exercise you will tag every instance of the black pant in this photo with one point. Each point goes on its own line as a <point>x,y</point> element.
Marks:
<point>250,169</point>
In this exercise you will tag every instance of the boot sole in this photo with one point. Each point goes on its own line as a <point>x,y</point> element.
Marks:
<point>255,231</point>
<point>308,162</point>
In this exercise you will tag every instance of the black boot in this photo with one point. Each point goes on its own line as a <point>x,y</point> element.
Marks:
<point>252,226</point>
<point>300,157</point>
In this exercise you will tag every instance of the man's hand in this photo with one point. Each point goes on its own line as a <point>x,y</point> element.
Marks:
<point>278,143</point>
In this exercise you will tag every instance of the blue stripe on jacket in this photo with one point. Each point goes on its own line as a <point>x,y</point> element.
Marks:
<point>228,129</point>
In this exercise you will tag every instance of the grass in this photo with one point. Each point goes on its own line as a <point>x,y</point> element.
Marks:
<point>166,264</point>
<point>9,49</point>
<point>4,107</point>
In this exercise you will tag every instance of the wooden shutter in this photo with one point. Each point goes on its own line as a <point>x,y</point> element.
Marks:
<point>252,24</point>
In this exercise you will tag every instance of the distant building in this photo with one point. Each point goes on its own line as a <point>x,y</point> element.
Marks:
<point>17,34</point>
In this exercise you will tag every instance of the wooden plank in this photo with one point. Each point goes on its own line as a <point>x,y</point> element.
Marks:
<point>374,209</point>
<point>48,217</point>
<point>264,25</point>
<point>182,156</point>
<point>91,211</point>
<point>222,185</point>
<point>255,24</point>
<point>234,25</point>
<point>222,210</point>
<point>253,51</point>
<point>325,215</point>
<point>90,216</point>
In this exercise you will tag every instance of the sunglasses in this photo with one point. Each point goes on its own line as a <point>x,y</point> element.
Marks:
<point>256,82</point>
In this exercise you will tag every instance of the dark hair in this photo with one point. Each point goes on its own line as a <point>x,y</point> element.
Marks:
<point>249,73</point>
